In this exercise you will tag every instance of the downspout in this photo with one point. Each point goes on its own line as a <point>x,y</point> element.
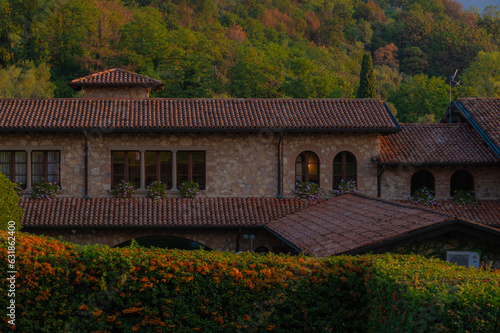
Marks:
<point>380,172</point>
<point>280,165</point>
<point>86,162</point>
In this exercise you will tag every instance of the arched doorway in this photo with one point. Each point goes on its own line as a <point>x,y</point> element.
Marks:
<point>166,242</point>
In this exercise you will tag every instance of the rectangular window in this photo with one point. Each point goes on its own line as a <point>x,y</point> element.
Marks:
<point>191,167</point>
<point>13,164</point>
<point>159,167</point>
<point>126,165</point>
<point>45,167</point>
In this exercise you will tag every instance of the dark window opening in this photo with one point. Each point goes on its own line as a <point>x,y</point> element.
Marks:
<point>159,167</point>
<point>191,167</point>
<point>307,168</point>
<point>344,168</point>
<point>45,167</point>
<point>126,165</point>
<point>461,180</point>
<point>13,165</point>
<point>422,178</point>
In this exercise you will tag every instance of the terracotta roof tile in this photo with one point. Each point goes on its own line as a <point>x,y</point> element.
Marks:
<point>435,144</point>
<point>195,114</point>
<point>486,113</point>
<point>334,232</point>
<point>487,212</point>
<point>115,77</point>
<point>142,212</point>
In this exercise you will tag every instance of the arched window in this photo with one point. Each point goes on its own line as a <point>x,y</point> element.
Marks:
<point>344,168</point>
<point>307,168</point>
<point>422,178</point>
<point>461,180</point>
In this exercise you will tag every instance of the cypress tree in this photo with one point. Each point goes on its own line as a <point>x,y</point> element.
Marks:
<point>366,79</point>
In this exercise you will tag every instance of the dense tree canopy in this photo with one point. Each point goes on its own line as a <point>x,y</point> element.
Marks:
<point>248,48</point>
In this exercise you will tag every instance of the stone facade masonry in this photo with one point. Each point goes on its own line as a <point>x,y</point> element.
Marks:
<point>364,146</point>
<point>396,181</point>
<point>240,164</point>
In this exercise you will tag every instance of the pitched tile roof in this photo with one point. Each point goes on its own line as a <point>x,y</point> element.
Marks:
<point>487,212</point>
<point>435,144</point>
<point>196,114</point>
<point>142,212</point>
<point>348,222</point>
<point>486,113</point>
<point>115,77</point>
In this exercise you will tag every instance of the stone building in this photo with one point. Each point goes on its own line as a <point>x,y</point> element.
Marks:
<point>247,155</point>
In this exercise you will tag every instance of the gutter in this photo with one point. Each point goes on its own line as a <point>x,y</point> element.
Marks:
<point>86,167</point>
<point>398,127</point>
<point>478,129</point>
<point>380,172</point>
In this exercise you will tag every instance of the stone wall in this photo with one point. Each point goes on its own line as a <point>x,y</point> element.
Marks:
<point>215,239</point>
<point>364,146</point>
<point>396,181</point>
<point>116,92</point>
<point>237,164</point>
<point>71,147</point>
<point>437,247</point>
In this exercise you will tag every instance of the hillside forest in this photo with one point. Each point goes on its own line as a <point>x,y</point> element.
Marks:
<point>257,48</point>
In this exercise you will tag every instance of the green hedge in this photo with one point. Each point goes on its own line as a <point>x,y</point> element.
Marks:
<point>415,294</point>
<point>63,287</point>
<point>9,200</point>
<point>67,288</point>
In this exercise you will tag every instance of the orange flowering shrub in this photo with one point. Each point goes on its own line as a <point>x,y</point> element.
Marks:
<point>62,287</point>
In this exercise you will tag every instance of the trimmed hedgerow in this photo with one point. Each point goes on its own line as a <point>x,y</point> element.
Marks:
<point>415,294</point>
<point>68,288</point>
<point>64,287</point>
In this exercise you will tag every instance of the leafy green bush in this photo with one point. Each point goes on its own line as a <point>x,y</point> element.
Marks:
<point>309,191</point>
<point>415,294</point>
<point>463,197</point>
<point>157,190</point>
<point>45,190</point>
<point>424,196</point>
<point>346,187</point>
<point>124,190</point>
<point>95,288</point>
<point>9,200</point>
<point>189,190</point>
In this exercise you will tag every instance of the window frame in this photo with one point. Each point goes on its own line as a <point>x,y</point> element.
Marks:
<point>158,173</point>
<point>304,165</point>
<point>12,163</point>
<point>45,164</point>
<point>343,165</point>
<point>190,167</point>
<point>126,174</point>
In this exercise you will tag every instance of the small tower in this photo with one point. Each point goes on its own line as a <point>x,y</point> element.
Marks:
<point>116,83</point>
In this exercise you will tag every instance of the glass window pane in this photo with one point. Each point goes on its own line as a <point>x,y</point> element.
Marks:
<point>37,157</point>
<point>5,156</point>
<point>20,157</point>
<point>5,169</point>
<point>53,156</point>
<point>134,168</point>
